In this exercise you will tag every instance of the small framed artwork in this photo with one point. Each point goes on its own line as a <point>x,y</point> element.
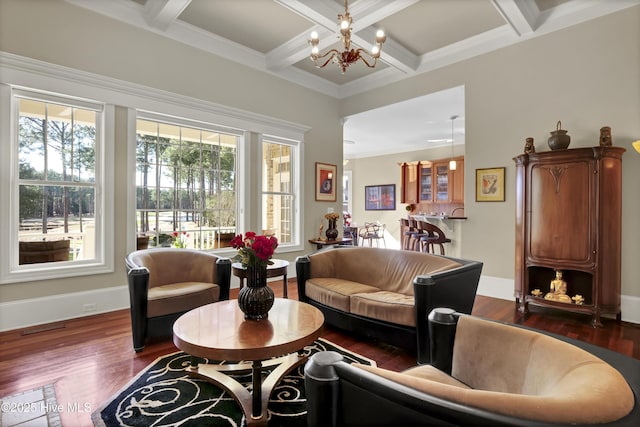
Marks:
<point>490,185</point>
<point>325,182</point>
<point>380,197</point>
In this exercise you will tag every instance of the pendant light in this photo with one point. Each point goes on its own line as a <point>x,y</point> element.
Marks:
<point>452,163</point>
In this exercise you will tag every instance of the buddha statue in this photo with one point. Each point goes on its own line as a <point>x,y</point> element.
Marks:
<point>558,290</point>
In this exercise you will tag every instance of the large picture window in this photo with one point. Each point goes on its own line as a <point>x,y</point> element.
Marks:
<point>185,184</point>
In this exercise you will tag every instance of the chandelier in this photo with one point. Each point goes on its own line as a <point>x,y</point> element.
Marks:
<point>348,56</point>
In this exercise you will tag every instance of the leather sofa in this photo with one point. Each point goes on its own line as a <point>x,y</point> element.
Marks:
<point>386,294</point>
<point>487,374</point>
<point>164,283</point>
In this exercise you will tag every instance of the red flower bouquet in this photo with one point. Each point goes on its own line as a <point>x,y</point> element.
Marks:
<point>180,240</point>
<point>253,249</point>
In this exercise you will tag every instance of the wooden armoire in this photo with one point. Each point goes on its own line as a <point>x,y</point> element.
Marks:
<point>568,219</point>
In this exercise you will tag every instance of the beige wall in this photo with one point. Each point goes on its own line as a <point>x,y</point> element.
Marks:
<point>59,33</point>
<point>588,76</point>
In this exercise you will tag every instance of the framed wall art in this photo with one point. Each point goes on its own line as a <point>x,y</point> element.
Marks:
<point>490,185</point>
<point>380,197</point>
<point>325,182</point>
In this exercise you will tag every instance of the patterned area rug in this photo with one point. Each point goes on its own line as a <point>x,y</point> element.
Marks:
<point>163,394</point>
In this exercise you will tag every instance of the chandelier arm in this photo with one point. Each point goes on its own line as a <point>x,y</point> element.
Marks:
<point>332,54</point>
<point>375,60</point>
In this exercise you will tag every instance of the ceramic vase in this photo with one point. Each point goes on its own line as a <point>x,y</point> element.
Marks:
<point>332,231</point>
<point>559,140</point>
<point>256,298</point>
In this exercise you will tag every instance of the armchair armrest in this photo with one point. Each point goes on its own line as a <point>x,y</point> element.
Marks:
<point>138,280</point>
<point>455,289</point>
<point>223,277</point>
<point>303,271</point>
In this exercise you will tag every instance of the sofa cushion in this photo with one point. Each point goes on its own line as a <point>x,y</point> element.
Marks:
<point>424,378</point>
<point>428,372</point>
<point>386,306</point>
<point>178,297</point>
<point>334,292</point>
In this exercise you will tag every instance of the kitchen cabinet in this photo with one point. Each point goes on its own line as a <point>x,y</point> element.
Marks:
<point>409,182</point>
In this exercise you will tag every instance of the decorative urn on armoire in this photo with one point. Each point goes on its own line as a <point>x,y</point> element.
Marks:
<point>559,140</point>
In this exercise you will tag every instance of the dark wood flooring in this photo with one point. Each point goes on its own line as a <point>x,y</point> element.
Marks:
<point>91,358</point>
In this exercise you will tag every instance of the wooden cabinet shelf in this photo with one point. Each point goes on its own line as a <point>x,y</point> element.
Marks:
<point>568,218</point>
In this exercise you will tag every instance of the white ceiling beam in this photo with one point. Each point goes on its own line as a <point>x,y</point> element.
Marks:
<point>325,15</point>
<point>393,53</point>
<point>162,13</point>
<point>521,15</point>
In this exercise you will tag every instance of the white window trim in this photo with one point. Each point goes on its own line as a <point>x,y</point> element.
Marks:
<point>133,116</point>
<point>297,182</point>
<point>10,271</point>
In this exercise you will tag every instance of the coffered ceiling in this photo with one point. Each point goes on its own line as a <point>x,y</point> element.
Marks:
<point>422,35</point>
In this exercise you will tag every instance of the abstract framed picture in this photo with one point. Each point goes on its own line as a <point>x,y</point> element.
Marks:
<point>490,185</point>
<point>325,182</point>
<point>380,197</point>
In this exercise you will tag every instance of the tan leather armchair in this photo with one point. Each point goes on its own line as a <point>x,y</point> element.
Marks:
<point>167,282</point>
<point>482,373</point>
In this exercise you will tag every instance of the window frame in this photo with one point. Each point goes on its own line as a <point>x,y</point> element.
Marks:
<point>296,185</point>
<point>10,270</point>
<point>187,123</point>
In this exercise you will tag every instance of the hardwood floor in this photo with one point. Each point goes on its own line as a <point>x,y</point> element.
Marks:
<point>90,358</point>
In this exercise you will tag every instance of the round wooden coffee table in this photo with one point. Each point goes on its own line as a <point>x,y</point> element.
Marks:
<point>219,331</point>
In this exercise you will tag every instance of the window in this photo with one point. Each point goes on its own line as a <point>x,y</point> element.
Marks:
<point>58,190</point>
<point>279,160</point>
<point>185,184</point>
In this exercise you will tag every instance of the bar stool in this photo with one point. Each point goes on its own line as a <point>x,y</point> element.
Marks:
<point>414,238</point>
<point>424,237</point>
<point>407,234</point>
<point>435,236</point>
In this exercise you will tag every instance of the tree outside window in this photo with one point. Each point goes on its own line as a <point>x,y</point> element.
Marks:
<point>57,181</point>
<point>185,182</point>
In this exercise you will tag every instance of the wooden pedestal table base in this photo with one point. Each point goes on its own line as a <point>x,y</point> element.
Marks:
<point>219,331</point>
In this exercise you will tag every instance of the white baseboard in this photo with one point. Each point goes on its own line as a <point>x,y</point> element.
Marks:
<point>630,307</point>
<point>501,288</point>
<point>38,311</point>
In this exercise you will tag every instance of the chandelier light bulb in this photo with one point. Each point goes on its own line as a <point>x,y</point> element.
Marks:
<point>375,50</point>
<point>344,25</point>
<point>315,50</point>
<point>314,35</point>
<point>380,37</point>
